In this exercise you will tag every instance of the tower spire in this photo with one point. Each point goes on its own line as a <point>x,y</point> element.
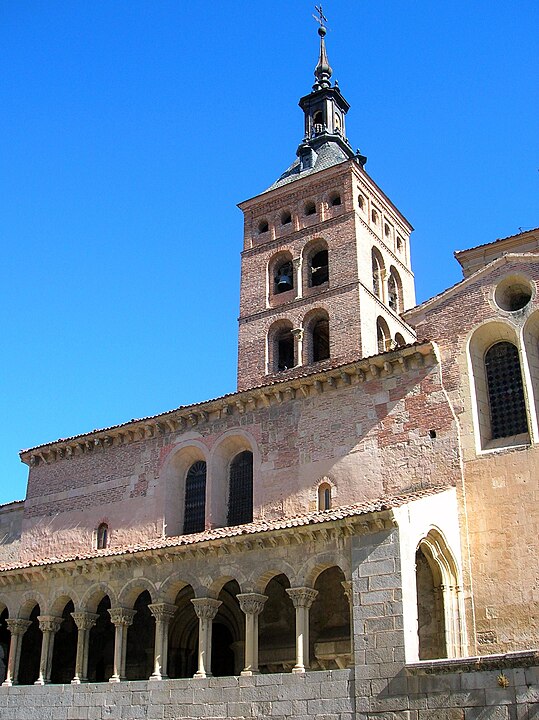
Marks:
<point>322,71</point>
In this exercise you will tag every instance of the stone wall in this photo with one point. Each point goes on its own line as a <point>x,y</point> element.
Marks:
<point>504,687</point>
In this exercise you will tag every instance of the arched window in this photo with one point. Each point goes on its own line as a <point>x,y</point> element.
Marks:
<point>285,350</point>
<point>335,199</point>
<point>240,495</point>
<point>319,268</point>
<point>324,496</point>
<point>195,498</point>
<point>400,341</point>
<point>505,391</point>
<point>361,201</point>
<point>102,536</point>
<point>377,273</point>
<point>310,208</point>
<point>286,217</point>
<point>382,335</point>
<point>321,340</point>
<point>263,227</point>
<point>394,291</point>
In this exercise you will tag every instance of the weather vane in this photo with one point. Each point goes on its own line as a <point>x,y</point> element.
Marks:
<point>320,18</point>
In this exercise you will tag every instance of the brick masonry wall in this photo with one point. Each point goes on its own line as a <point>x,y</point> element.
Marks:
<point>369,438</point>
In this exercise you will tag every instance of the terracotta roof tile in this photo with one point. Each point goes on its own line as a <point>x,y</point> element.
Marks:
<point>386,502</point>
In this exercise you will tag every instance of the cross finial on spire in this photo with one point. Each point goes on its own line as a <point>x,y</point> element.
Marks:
<point>323,70</point>
<point>321,17</point>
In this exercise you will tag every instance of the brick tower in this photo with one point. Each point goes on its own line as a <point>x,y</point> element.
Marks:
<point>326,259</point>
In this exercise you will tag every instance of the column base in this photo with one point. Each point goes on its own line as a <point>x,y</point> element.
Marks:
<point>248,673</point>
<point>7,683</point>
<point>39,681</point>
<point>298,670</point>
<point>156,676</point>
<point>114,679</point>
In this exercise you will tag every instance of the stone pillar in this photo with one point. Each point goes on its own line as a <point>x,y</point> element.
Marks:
<point>348,591</point>
<point>121,618</point>
<point>84,622</point>
<point>206,610</point>
<point>17,628</point>
<point>49,626</point>
<point>163,614</point>
<point>298,345</point>
<point>303,598</point>
<point>296,262</point>
<point>252,605</point>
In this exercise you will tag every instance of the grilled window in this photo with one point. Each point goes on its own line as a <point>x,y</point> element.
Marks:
<point>505,391</point>
<point>195,498</point>
<point>240,497</point>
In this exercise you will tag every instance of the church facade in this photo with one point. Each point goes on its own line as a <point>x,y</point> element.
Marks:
<point>353,533</point>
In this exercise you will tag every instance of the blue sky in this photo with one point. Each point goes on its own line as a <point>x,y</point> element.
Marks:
<point>130,130</point>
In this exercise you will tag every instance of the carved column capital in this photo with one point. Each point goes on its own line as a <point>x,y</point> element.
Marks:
<point>162,612</point>
<point>18,626</point>
<point>206,608</point>
<point>302,597</point>
<point>84,620</point>
<point>49,623</point>
<point>122,616</point>
<point>347,587</point>
<point>252,603</point>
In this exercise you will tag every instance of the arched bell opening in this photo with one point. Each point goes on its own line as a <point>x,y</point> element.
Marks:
<point>330,645</point>
<point>101,644</point>
<point>5,642</point>
<point>31,650</point>
<point>430,608</point>
<point>183,637</point>
<point>141,640</point>
<point>227,656</point>
<point>277,633</point>
<point>65,648</point>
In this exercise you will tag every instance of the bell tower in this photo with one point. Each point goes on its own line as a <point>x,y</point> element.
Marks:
<point>325,269</point>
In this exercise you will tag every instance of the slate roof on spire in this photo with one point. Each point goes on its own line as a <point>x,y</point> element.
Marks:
<point>329,154</point>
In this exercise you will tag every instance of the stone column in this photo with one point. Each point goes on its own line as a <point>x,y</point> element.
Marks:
<point>84,622</point>
<point>121,619</point>
<point>298,345</point>
<point>163,614</point>
<point>348,591</point>
<point>303,598</point>
<point>296,262</point>
<point>252,605</point>
<point>17,628</point>
<point>49,626</point>
<point>206,610</point>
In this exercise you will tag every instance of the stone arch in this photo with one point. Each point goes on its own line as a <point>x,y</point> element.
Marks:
<point>229,574</point>
<point>93,596</point>
<point>281,350</point>
<point>174,472</point>
<point>440,617</point>
<point>261,576</point>
<point>315,566</point>
<point>226,448</point>
<point>330,629</point>
<point>60,599</point>
<point>316,336</point>
<point>322,485</point>
<point>27,603</point>
<point>175,583</point>
<point>280,276</point>
<point>133,588</point>
<point>480,342</point>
